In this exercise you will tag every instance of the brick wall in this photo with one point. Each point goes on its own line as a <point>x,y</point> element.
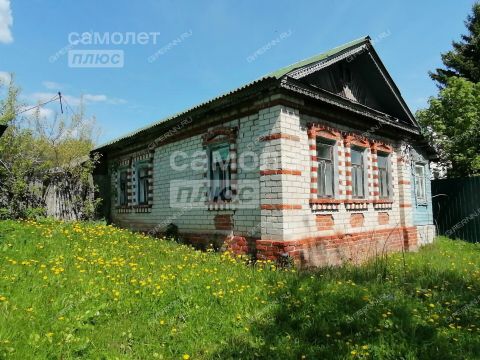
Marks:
<point>198,223</point>
<point>317,231</point>
<point>289,218</point>
<point>325,222</point>
<point>336,249</point>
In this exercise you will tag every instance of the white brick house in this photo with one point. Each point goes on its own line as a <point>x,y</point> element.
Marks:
<point>321,160</point>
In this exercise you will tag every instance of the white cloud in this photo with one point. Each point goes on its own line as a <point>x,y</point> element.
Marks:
<point>74,100</point>
<point>44,113</point>
<point>116,101</point>
<point>52,85</point>
<point>4,77</point>
<point>90,98</point>
<point>6,22</point>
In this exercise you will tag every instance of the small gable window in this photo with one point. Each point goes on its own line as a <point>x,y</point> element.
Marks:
<point>358,173</point>
<point>220,172</point>
<point>325,176</point>
<point>420,191</point>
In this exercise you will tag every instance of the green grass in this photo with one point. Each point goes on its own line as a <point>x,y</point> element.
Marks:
<point>88,290</point>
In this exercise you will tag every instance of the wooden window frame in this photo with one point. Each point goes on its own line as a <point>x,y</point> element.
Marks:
<point>321,163</point>
<point>388,177</point>
<point>363,167</point>
<point>420,200</point>
<point>124,192</point>
<point>225,195</point>
<point>146,181</point>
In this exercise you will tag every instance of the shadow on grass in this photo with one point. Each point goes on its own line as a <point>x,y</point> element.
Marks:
<point>365,312</point>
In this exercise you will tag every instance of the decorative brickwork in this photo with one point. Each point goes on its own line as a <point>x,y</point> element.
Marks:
<point>222,134</point>
<point>289,217</point>
<point>237,245</point>
<point>357,220</point>
<point>339,248</point>
<point>279,136</point>
<point>325,222</point>
<point>223,222</point>
<point>383,218</point>
<point>321,131</point>
<point>280,172</point>
<point>281,206</point>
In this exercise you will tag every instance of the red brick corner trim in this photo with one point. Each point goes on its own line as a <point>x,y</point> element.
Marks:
<point>279,136</point>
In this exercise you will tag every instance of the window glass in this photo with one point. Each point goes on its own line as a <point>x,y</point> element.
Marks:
<point>420,183</point>
<point>358,175</point>
<point>123,195</point>
<point>325,176</point>
<point>143,185</point>
<point>220,173</point>
<point>383,176</point>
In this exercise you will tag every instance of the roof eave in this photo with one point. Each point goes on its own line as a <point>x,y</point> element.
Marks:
<point>324,96</point>
<point>250,90</point>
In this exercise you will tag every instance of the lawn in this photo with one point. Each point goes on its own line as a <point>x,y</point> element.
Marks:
<point>72,290</point>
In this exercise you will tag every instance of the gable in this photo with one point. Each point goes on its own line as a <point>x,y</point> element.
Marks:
<point>357,74</point>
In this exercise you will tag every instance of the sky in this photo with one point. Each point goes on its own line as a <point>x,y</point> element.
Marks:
<point>186,52</point>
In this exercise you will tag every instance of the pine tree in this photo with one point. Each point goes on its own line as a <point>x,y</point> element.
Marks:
<point>464,59</point>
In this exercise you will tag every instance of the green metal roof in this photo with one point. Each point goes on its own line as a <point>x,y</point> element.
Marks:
<point>283,71</point>
<point>273,75</point>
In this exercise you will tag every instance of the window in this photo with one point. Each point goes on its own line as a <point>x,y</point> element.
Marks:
<point>383,176</point>
<point>123,189</point>
<point>358,173</point>
<point>420,192</point>
<point>220,172</point>
<point>325,175</point>
<point>142,188</point>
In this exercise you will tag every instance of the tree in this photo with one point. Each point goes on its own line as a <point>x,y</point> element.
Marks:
<point>452,123</point>
<point>464,59</point>
<point>38,154</point>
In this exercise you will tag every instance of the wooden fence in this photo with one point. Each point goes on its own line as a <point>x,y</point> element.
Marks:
<point>456,207</point>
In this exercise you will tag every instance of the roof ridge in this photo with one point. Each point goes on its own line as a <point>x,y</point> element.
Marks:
<point>275,74</point>
<point>283,71</point>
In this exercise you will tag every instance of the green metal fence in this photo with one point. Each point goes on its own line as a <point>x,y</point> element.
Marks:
<point>456,207</point>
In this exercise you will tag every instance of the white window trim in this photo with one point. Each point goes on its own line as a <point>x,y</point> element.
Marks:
<point>388,157</point>
<point>420,201</point>
<point>363,151</point>
<point>335,167</point>
<point>141,165</point>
